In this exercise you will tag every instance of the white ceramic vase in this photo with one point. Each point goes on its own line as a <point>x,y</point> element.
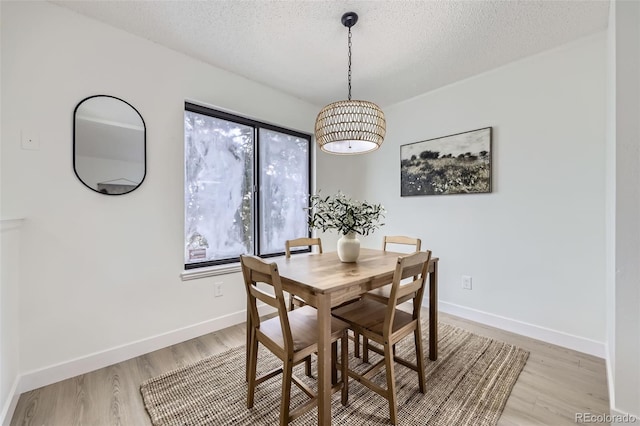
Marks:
<point>348,247</point>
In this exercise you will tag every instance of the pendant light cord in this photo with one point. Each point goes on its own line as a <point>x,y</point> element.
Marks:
<point>349,76</point>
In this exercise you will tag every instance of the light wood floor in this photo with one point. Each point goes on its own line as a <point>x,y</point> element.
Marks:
<point>555,384</point>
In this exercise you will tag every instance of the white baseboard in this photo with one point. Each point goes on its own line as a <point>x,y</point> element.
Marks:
<point>45,376</point>
<point>610,382</point>
<point>577,343</point>
<point>10,404</point>
<point>620,418</point>
<point>617,417</point>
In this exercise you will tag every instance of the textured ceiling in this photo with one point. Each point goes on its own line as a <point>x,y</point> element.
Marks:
<point>400,48</point>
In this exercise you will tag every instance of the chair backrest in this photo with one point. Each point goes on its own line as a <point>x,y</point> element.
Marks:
<point>413,265</point>
<point>402,240</point>
<point>301,242</point>
<point>255,271</point>
<point>398,239</point>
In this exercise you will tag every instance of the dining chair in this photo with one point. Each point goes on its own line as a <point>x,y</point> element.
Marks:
<point>292,336</point>
<point>387,325</point>
<point>381,294</point>
<point>299,242</point>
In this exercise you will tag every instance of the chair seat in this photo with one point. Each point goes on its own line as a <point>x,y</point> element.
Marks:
<point>369,314</point>
<point>304,328</point>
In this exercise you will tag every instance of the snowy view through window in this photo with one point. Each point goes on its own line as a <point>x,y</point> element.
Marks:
<point>221,213</point>
<point>284,189</point>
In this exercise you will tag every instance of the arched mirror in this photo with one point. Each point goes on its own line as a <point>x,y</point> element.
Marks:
<point>109,145</point>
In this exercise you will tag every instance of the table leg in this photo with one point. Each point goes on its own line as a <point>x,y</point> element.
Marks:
<point>324,360</point>
<point>433,312</point>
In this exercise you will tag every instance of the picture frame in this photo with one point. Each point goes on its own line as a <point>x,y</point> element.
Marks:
<point>453,164</point>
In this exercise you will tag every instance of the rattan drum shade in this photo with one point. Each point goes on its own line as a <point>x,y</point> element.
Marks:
<point>350,127</point>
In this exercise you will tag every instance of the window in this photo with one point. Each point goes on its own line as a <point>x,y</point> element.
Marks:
<point>246,187</point>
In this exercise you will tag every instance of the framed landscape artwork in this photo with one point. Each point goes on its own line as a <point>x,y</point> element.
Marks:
<point>455,164</point>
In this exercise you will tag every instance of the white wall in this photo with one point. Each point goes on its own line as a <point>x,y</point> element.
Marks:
<point>9,291</point>
<point>610,197</point>
<point>623,279</point>
<point>98,272</point>
<point>535,245</point>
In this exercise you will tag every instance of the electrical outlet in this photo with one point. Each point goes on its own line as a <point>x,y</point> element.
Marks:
<point>466,282</point>
<point>217,289</point>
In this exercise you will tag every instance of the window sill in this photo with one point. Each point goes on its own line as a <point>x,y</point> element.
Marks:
<point>194,274</point>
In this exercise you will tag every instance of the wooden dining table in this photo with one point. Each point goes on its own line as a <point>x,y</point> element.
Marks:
<point>323,281</point>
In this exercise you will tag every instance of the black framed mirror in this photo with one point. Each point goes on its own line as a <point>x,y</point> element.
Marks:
<point>109,145</point>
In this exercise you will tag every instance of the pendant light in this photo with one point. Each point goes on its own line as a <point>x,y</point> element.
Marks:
<point>351,126</point>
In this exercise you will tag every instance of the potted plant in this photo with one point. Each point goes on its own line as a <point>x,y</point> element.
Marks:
<point>349,217</point>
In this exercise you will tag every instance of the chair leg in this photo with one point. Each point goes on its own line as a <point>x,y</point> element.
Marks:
<point>307,366</point>
<point>420,358</point>
<point>334,359</point>
<point>391,384</point>
<point>249,331</point>
<point>356,342</point>
<point>285,400</point>
<point>344,368</point>
<point>291,305</point>
<point>365,349</point>
<point>251,369</point>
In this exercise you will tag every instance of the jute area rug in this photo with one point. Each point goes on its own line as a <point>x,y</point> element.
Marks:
<point>468,385</point>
